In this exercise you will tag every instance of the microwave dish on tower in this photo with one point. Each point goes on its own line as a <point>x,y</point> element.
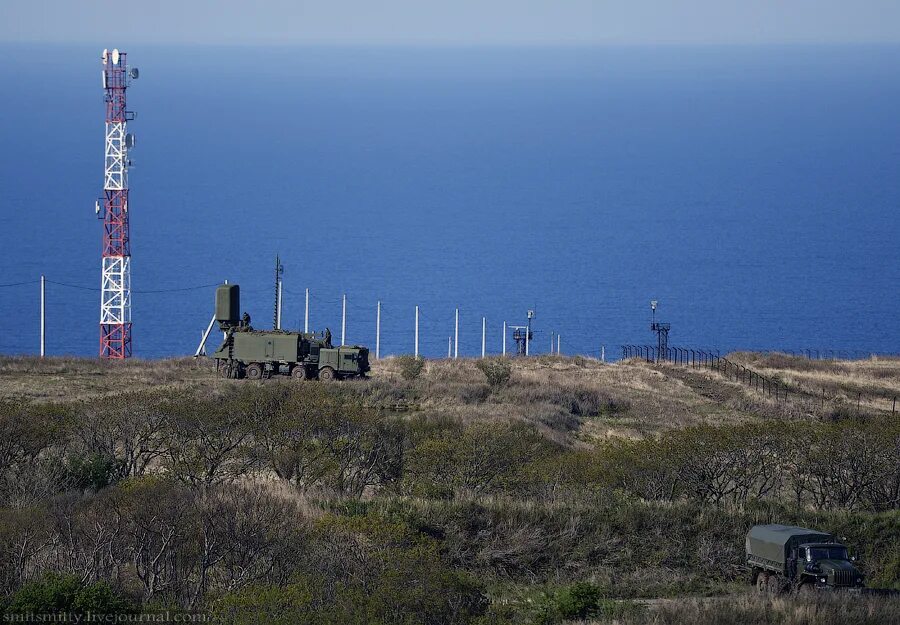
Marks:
<point>115,56</point>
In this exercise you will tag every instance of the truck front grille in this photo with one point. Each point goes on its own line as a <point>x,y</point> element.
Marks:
<point>843,578</point>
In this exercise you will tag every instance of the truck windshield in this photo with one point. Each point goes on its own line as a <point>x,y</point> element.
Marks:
<point>836,552</point>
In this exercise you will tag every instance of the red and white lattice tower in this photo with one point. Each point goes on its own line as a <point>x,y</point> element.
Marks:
<point>115,286</point>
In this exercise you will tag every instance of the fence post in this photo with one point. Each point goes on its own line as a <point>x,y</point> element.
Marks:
<point>43,316</point>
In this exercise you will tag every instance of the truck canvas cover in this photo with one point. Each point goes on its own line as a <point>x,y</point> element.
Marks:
<point>775,542</point>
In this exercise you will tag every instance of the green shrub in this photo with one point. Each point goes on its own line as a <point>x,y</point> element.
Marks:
<point>55,593</point>
<point>581,600</point>
<point>91,471</point>
<point>496,370</point>
<point>411,367</point>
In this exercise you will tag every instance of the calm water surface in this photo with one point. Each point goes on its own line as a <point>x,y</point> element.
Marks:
<point>753,191</point>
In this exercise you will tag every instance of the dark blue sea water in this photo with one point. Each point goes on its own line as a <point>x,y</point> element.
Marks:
<point>753,191</point>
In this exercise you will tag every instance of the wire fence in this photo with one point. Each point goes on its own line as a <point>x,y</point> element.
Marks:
<point>819,400</point>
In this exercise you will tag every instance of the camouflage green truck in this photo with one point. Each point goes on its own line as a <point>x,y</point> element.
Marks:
<point>257,354</point>
<point>785,557</point>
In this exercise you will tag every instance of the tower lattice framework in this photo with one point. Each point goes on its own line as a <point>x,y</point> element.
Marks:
<point>115,285</point>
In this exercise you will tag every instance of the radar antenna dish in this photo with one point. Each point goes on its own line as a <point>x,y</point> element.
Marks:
<point>134,73</point>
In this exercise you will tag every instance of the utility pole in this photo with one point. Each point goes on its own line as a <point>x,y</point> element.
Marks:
<point>378,331</point>
<point>417,331</point>
<point>528,331</point>
<point>43,316</point>
<point>504,338</point>
<point>483,334</point>
<point>306,313</point>
<point>456,336</point>
<point>343,318</point>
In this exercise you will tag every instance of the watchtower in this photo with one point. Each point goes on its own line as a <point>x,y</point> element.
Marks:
<point>523,336</point>
<point>662,331</point>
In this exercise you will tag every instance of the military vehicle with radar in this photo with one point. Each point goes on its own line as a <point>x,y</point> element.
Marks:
<point>784,557</point>
<point>257,354</point>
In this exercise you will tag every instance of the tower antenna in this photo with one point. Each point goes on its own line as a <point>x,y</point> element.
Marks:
<point>662,332</point>
<point>115,284</point>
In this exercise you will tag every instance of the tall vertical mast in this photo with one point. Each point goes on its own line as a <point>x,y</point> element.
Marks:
<point>115,285</point>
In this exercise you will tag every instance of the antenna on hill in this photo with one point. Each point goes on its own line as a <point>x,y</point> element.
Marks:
<point>113,209</point>
<point>662,331</point>
<point>279,270</point>
<point>523,335</point>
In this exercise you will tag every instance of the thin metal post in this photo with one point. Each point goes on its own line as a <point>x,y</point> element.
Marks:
<point>483,334</point>
<point>456,336</point>
<point>43,316</point>
<point>551,341</point>
<point>449,347</point>
<point>306,313</point>
<point>276,316</point>
<point>280,300</point>
<point>378,332</point>
<point>602,353</point>
<point>343,318</point>
<point>202,345</point>
<point>504,338</point>
<point>557,345</point>
<point>527,332</point>
<point>224,334</point>
<point>417,331</point>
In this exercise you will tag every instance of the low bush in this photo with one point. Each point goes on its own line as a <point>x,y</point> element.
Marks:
<point>411,367</point>
<point>580,600</point>
<point>57,593</point>
<point>496,370</point>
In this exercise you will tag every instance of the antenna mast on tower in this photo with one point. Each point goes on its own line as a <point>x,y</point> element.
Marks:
<point>115,285</point>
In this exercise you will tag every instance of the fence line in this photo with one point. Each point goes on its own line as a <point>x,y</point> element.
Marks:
<point>773,388</point>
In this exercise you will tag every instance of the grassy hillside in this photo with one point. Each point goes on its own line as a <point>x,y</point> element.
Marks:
<point>545,490</point>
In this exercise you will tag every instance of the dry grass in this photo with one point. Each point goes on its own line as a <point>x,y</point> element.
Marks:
<point>569,399</point>
<point>67,378</point>
<point>877,379</point>
<point>752,609</point>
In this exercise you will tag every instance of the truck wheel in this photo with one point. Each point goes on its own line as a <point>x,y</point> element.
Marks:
<point>299,373</point>
<point>225,369</point>
<point>254,371</point>
<point>326,374</point>
<point>774,585</point>
<point>762,582</point>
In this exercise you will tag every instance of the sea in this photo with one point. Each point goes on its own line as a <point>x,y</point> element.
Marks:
<point>753,192</point>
